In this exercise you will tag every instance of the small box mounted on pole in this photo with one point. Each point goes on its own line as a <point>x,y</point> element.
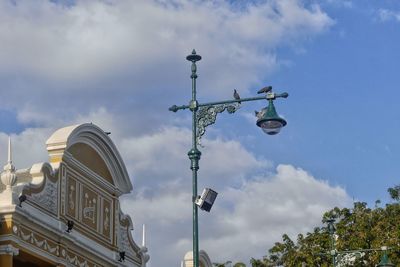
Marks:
<point>206,200</point>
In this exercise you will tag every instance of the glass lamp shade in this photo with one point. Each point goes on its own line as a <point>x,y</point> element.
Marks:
<point>269,121</point>
<point>271,127</point>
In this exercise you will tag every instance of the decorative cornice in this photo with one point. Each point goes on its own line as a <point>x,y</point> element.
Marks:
<point>58,251</point>
<point>8,250</point>
<point>125,240</point>
<point>57,228</point>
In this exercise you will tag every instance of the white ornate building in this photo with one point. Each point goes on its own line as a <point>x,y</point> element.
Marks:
<point>204,259</point>
<point>67,212</point>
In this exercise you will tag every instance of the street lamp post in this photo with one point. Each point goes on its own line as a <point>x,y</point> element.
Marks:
<point>384,262</point>
<point>331,230</point>
<point>205,114</point>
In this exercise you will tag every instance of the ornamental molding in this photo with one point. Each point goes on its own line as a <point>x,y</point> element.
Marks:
<point>51,248</point>
<point>43,188</point>
<point>37,240</point>
<point>208,114</point>
<point>8,250</point>
<point>125,241</point>
<point>91,135</point>
<point>54,228</point>
<point>79,261</point>
<point>48,198</point>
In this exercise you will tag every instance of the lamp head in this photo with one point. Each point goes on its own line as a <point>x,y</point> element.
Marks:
<point>269,121</point>
<point>385,261</point>
<point>193,57</point>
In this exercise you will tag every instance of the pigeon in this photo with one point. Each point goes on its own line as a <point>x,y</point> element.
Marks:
<point>264,90</point>
<point>236,95</point>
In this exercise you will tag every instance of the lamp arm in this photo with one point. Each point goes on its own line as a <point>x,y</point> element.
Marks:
<point>175,108</point>
<point>207,112</point>
<point>268,96</point>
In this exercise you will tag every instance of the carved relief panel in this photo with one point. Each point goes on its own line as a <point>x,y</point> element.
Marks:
<point>90,206</point>
<point>71,197</point>
<point>107,218</point>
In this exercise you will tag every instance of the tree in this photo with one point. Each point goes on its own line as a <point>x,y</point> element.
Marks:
<point>228,263</point>
<point>358,228</point>
<point>394,192</point>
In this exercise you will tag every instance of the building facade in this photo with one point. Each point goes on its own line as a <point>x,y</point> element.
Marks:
<point>66,212</point>
<point>204,259</point>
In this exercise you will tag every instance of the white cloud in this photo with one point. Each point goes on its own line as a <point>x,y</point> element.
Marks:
<point>28,147</point>
<point>120,64</point>
<point>387,15</point>
<point>341,3</point>
<point>244,222</point>
<point>155,157</point>
<point>255,205</point>
<point>91,38</point>
<point>254,208</point>
<point>123,54</point>
<point>291,201</point>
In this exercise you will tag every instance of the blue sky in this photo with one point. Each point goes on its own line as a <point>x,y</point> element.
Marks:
<point>346,107</point>
<point>121,64</point>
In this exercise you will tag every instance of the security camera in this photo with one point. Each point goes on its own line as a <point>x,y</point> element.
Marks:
<point>206,200</point>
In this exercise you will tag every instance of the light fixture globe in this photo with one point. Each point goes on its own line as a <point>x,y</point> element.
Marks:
<point>269,121</point>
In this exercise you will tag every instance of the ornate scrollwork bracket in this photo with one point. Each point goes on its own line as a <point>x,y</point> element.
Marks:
<point>208,114</point>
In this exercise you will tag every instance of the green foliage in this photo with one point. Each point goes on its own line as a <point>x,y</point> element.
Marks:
<point>395,192</point>
<point>222,264</point>
<point>228,263</point>
<point>358,228</point>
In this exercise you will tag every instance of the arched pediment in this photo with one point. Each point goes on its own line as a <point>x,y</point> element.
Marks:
<point>93,148</point>
<point>91,159</point>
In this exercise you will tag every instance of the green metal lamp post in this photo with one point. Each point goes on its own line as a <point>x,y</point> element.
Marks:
<point>205,114</point>
<point>385,261</point>
<point>331,230</point>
